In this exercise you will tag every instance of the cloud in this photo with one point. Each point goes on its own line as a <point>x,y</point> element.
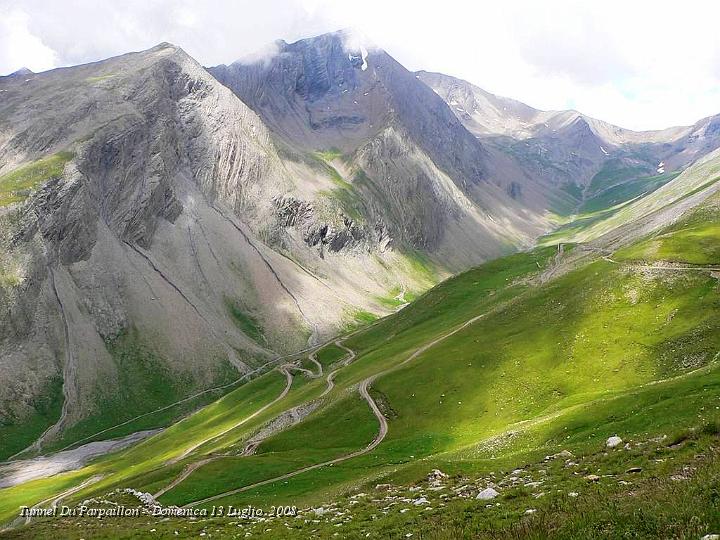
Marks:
<point>638,64</point>
<point>19,47</point>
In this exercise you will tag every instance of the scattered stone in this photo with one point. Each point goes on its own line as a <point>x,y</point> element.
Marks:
<point>383,487</point>
<point>573,494</point>
<point>421,501</point>
<point>678,477</point>
<point>530,511</point>
<point>487,494</point>
<point>613,441</point>
<point>634,469</point>
<point>563,454</point>
<point>436,476</point>
<point>711,537</point>
<point>592,478</point>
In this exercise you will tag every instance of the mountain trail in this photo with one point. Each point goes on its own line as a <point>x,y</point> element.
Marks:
<point>382,432</point>
<point>363,389</point>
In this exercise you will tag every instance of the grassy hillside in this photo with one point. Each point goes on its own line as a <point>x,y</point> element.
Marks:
<point>661,193</point>
<point>543,353</point>
<point>692,240</point>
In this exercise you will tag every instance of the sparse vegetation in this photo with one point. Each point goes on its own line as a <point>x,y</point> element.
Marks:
<point>248,324</point>
<point>17,185</point>
<point>17,434</point>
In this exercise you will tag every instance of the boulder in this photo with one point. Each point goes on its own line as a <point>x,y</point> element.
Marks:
<point>487,494</point>
<point>613,441</point>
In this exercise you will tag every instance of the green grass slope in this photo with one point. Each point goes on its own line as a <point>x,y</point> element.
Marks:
<point>595,220</point>
<point>17,185</point>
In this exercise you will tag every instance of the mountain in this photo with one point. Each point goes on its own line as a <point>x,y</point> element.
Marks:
<point>155,244</point>
<point>20,72</point>
<point>396,144</point>
<point>580,382</point>
<point>140,186</point>
<point>572,152</point>
<point>190,257</point>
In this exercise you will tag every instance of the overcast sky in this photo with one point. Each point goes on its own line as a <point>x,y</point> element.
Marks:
<point>639,64</point>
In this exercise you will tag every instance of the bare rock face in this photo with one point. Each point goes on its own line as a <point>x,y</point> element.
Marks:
<point>97,242</point>
<point>336,233</point>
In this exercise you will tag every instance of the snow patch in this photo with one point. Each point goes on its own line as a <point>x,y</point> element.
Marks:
<point>661,167</point>
<point>604,151</point>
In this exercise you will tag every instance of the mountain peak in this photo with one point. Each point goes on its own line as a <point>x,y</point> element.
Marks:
<point>22,71</point>
<point>164,45</point>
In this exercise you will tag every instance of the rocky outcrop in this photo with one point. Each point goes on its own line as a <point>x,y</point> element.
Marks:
<point>337,234</point>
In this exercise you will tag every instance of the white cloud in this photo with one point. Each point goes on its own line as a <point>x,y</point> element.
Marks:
<point>639,64</point>
<point>19,47</point>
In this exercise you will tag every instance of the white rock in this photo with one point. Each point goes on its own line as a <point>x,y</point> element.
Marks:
<point>573,494</point>
<point>613,441</point>
<point>711,537</point>
<point>530,511</point>
<point>437,474</point>
<point>420,501</point>
<point>487,494</point>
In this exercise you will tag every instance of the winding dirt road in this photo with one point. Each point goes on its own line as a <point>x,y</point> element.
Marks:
<point>189,469</point>
<point>288,383</point>
<point>365,393</point>
<point>382,432</point>
<point>331,376</point>
<point>314,360</point>
<point>184,400</point>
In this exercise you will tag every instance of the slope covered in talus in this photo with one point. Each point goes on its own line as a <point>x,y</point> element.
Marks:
<point>395,144</point>
<point>139,199</point>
